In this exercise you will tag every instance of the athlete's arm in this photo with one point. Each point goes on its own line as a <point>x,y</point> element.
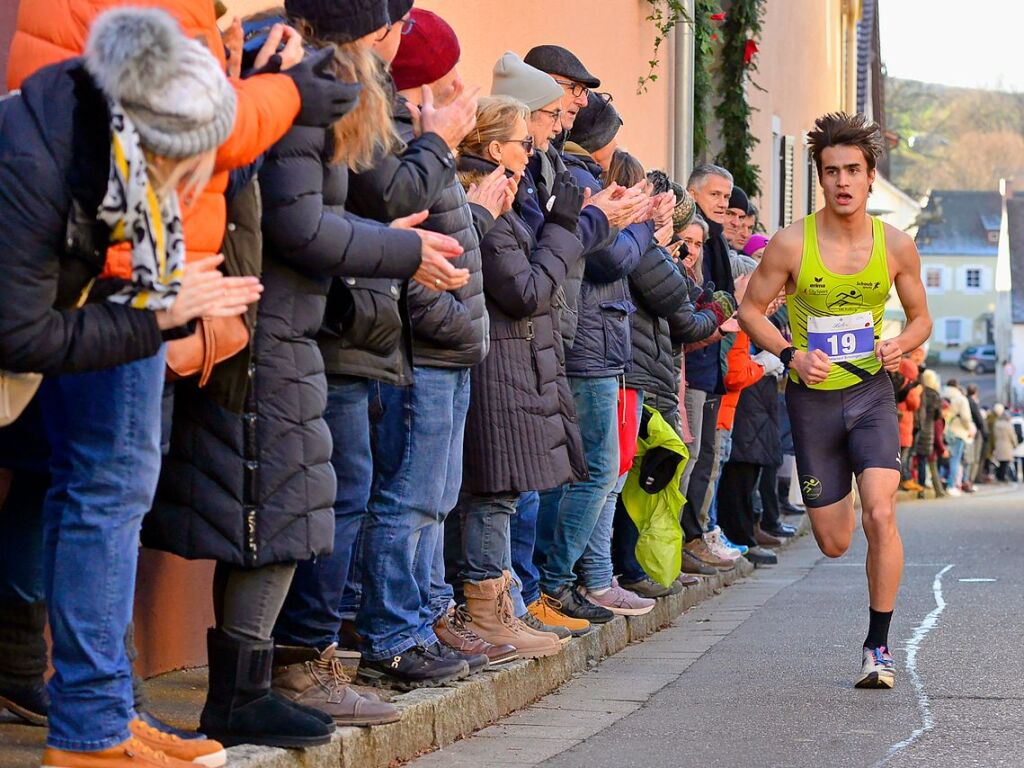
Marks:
<point>913,297</point>
<point>780,262</point>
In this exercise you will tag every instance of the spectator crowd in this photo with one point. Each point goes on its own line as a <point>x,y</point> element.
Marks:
<point>435,371</point>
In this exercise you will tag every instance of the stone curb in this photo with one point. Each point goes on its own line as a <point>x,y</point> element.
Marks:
<point>436,717</point>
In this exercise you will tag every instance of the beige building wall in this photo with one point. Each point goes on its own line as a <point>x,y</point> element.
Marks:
<point>611,37</point>
<point>804,65</point>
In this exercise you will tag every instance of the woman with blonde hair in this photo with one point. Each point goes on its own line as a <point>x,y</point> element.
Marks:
<point>925,443</point>
<point>106,141</point>
<point>521,431</point>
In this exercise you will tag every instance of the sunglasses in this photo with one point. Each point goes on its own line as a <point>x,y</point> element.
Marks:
<point>526,143</point>
<point>576,89</point>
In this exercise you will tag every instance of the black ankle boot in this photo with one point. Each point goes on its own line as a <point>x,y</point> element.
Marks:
<point>241,708</point>
<point>23,660</point>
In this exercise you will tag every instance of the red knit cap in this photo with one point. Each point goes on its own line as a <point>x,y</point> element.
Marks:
<point>429,52</point>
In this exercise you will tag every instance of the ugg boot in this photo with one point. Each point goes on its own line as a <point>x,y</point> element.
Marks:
<point>490,605</point>
<point>23,660</point>
<point>317,679</point>
<point>240,706</point>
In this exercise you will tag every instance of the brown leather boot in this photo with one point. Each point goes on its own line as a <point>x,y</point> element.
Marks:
<point>490,605</point>
<point>700,550</point>
<point>316,679</point>
<point>453,630</point>
<point>765,539</point>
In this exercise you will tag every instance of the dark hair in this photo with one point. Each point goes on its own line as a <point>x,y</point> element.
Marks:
<point>972,389</point>
<point>841,129</point>
<point>953,383</point>
<point>624,169</point>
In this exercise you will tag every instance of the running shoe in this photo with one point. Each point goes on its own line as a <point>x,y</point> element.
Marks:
<point>621,601</point>
<point>879,670</point>
<point>741,548</point>
<point>718,548</point>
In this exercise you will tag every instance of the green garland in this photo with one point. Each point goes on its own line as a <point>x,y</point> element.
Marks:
<point>740,30</point>
<point>703,53</point>
<point>665,15</point>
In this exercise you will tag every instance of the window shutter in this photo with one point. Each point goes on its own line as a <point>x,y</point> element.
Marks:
<point>961,279</point>
<point>812,183</point>
<point>986,279</point>
<point>788,192</point>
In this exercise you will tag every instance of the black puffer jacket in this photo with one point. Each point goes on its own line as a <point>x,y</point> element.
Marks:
<point>449,329</point>
<point>54,161</point>
<point>368,333</point>
<point>260,489</point>
<point>755,434</point>
<point>664,318</point>
<point>602,344</point>
<point>521,431</point>
<point>593,231</point>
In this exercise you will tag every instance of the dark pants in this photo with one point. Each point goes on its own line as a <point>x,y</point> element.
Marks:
<point>700,479</point>
<point>624,546</point>
<point>524,540</point>
<point>768,483</point>
<point>312,612</point>
<point>735,506</point>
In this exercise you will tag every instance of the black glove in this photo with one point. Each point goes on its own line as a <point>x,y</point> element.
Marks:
<point>325,100</point>
<point>565,202</point>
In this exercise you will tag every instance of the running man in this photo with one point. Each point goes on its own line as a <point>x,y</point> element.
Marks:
<point>837,267</point>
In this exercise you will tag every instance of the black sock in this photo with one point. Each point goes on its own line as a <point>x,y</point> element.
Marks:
<point>878,629</point>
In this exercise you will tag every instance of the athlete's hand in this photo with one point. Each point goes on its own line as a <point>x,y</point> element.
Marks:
<point>890,354</point>
<point>811,367</point>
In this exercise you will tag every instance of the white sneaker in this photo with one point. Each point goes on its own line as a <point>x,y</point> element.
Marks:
<point>713,540</point>
<point>954,492</point>
<point>878,670</point>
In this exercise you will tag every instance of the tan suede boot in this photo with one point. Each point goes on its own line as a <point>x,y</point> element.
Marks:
<point>490,605</point>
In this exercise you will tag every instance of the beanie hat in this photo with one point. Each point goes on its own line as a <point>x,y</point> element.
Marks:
<point>172,88</point>
<point>596,124</point>
<point>742,265</point>
<point>556,60</point>
<point>341,21</point>
<point>755,244</point>
<point>682,214</point>
<point>739,199</point>
<point>398,8</point>
<point>429,52</point>
<point>513,77</point>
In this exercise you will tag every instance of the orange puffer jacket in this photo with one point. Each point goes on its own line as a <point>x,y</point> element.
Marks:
<point>49,31</point>
<point>741,372</point>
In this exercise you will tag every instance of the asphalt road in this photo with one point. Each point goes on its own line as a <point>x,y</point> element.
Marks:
<point>777,690</point>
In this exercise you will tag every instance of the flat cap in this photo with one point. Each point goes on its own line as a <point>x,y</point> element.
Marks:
<point>556,60</point>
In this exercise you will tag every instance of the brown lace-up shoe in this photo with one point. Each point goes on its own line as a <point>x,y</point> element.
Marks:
<point>700,550</point>
<point>317,679</point>
<point>453,630</point>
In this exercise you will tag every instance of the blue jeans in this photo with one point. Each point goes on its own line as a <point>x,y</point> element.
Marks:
<point>725,443</point>
<point>568,515</point>
<point>523,540</point>
<point>596,563</point>
<point>956,446</point>
<point>417,474</point>
<point>312,612</point>
<point>104,433</point>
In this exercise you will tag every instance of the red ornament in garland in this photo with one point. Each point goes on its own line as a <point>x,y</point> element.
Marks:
<point>718,17</point>
<point>749,51</point>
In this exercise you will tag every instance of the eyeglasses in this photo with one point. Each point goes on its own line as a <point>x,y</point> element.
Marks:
<point>554,114</point>
<point>576,89</point>
<point>526,143</point>
<point>606,99</point>
<point>407,26</point>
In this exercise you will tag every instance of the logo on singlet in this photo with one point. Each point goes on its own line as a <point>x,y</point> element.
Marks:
<point>810,486</point>
<point>843,297</point>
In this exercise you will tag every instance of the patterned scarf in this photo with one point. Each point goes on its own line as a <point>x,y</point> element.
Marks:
<point>134,213</point>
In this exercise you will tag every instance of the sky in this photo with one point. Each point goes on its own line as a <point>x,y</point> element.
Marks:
<point>970,44</point>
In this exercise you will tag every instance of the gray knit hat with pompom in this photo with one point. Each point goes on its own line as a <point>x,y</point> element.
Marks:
<point>171,87</point>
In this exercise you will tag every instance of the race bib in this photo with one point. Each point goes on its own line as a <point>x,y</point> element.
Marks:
<point>846,337</point>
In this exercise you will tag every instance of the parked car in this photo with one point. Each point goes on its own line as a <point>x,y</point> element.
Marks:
<point>979,359</point>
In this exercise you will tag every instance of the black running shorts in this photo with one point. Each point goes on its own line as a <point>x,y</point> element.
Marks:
<point>839,433</point>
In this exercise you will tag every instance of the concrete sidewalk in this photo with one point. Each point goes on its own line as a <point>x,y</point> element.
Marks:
<point>431,718</point>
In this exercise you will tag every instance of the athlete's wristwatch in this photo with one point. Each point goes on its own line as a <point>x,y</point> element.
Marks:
<point>786,355</point>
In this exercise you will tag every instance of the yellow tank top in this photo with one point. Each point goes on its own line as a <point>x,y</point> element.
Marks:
<point>840,314</point>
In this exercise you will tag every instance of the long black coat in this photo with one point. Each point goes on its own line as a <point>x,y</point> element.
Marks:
<point>260,488</point>
<point>521,430</point>
<point>930,410</point>
<point>664,312</point>
<point>756,438</point>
